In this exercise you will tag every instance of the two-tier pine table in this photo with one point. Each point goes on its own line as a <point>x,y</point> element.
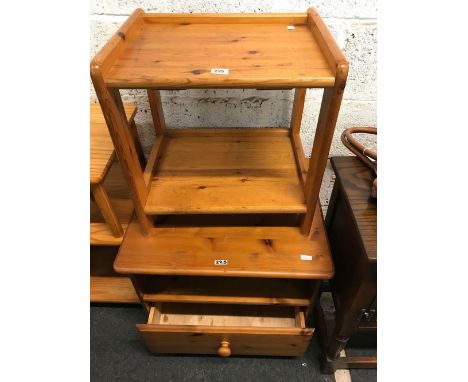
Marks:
<point>228,245</point>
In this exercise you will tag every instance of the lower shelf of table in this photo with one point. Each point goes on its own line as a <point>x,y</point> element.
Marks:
<point>226,329</point>
<point>106,286</point>
<point>230,171</point>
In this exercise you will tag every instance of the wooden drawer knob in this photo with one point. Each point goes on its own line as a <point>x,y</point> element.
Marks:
<point>223,350</point>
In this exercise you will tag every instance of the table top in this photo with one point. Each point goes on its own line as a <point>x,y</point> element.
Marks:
<point>355,181</point>
<point>101,146</point>
<point>170,51</point>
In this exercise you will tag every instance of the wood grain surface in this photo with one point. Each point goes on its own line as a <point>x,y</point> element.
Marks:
<point>119,129</point>
<point>177,51</point>
<point>356,180</point>
<point>105,284</point>
<point>226,171</point>
<point>249,330</point>
<point>226,315</point>
<point>103,202</point>
<point>112,290</point>
<point>101,148</point>
<point>117,190</point>
<point>296,119</point>
<point>251,252</point>
<point>261,51</point>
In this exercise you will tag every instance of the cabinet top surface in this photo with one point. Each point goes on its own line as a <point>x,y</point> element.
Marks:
<point>185,51</point>
<point>355,181</point>
<point>270,252</point>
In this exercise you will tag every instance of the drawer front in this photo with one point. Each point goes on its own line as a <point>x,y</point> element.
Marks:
<point>240,340</point>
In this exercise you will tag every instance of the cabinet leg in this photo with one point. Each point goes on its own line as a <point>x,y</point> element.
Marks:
<point>347,319</point>
<point>314,289</point>
<point>326,365</point>
<point>337,344</point>
<point>137,284</point>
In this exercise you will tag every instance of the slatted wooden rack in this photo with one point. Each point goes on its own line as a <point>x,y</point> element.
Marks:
<point>247,196</point>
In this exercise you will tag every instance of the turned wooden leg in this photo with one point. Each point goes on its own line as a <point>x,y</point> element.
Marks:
<point>102,200</point>
<point>348,319</point>
<point>327,366</point>
<point>338,343</point>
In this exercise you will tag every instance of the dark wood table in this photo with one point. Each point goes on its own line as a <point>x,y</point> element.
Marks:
<point>351,224</point>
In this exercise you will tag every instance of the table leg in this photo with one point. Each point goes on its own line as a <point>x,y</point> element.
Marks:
<point>138,146</point>
<point>102,200</point>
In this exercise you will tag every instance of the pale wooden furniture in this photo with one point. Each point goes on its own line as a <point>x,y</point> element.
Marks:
<point>217,207</point>
<point>108,220</point>
<point>111,210</point>
<point>106,285</point>
<point>154,51</point>
<point>259,330</point>
<point>258,303</point>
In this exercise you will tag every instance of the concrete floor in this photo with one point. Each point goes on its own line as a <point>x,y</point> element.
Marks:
<point>118,354</point>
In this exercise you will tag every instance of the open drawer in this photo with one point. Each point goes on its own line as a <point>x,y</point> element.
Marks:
<point>226,329</point>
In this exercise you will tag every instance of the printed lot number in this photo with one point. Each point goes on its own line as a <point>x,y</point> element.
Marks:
<point>220,262</point>
<point>219,71</point>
